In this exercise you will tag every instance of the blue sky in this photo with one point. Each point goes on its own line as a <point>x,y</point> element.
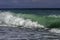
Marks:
<point>29,3</point>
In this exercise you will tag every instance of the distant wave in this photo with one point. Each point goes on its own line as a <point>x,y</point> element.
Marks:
<point>55,16</point>
<point>9,19</point>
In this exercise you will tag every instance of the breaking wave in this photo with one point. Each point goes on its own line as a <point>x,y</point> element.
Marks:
<point>9,19</point>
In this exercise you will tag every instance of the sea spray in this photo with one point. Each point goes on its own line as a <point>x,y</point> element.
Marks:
<point>9,19</point>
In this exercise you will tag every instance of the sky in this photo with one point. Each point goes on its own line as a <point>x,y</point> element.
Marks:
<point>29,3</point>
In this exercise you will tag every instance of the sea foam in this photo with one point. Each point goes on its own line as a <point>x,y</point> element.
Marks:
<point>8,19</point>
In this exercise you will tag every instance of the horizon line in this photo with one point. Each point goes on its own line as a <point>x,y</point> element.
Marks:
<point>29,8</point>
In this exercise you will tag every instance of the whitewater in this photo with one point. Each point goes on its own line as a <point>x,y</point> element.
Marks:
<point>10,32</point>
<point>9,19</point>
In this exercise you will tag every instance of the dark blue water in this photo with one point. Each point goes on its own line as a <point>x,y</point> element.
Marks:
<point>37,12</point>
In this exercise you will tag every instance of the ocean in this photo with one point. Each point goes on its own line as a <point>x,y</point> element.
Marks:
<point>29,18</point>
<point>32,11</point>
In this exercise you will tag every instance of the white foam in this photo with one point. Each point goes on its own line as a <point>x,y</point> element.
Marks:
<point>55,30</point>
<point>55,16</point>
<point>9,19</point>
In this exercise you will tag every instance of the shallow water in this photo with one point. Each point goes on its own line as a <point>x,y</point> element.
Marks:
<point>10,33</point>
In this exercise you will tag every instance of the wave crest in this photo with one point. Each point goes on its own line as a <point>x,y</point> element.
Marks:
<point>9,19</point>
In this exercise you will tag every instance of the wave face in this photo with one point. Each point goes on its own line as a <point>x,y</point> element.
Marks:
<point>8,19</point>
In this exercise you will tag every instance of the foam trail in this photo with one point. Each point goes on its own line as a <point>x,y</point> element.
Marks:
<point>9,19</point>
